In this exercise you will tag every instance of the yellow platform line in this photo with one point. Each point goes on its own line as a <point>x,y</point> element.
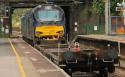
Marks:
<point>18,59</point>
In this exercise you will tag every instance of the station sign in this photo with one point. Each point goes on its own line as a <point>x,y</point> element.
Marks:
<point>120,8</point>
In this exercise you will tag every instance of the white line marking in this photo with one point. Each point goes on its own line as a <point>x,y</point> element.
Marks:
<point>47,70</point>
<point>23,47</point>
<point>27,52</point>
<point>33,59</point>
<point>15,40</point>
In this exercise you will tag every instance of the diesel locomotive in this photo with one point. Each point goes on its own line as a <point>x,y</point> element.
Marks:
<point>44,22</point>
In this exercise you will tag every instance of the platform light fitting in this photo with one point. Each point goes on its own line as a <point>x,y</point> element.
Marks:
<point>118,4</point>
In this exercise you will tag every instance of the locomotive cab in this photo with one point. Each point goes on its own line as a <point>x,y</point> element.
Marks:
<point>43,23</point>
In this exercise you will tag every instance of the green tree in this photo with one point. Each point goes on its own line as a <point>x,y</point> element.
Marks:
<point>99,6</point>
<point>113,6</point>
<point>17,14</point>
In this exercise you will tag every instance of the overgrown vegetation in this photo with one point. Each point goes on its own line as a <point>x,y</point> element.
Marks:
<point>99,6</point>
<point>16,17</point>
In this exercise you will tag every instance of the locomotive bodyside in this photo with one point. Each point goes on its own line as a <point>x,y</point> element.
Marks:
<point>27,28</point>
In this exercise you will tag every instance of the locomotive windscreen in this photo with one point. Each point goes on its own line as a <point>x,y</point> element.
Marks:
<point>48,15</point>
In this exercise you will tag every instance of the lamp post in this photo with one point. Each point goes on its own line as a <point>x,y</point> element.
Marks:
<point>107,16</point>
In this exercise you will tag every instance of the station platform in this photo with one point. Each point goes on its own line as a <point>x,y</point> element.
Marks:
<point>19,59</point>
<point>120,39</point>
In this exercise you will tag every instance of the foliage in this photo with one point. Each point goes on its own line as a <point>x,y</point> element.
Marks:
<point>99,6</point>
<point>113,6</point>
<point>17,14</point>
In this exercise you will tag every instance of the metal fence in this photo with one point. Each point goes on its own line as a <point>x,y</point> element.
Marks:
<point>117,25</point>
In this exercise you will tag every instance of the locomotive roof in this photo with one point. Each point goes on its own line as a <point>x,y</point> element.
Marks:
<point>53,6</point>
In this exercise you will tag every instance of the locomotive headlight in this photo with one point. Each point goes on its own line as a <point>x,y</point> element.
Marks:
<point>60,32</point>
<point>37,33</point>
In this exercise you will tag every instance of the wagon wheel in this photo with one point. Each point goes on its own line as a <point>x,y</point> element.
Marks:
<point>104,72</point>
<point>111,69</point>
